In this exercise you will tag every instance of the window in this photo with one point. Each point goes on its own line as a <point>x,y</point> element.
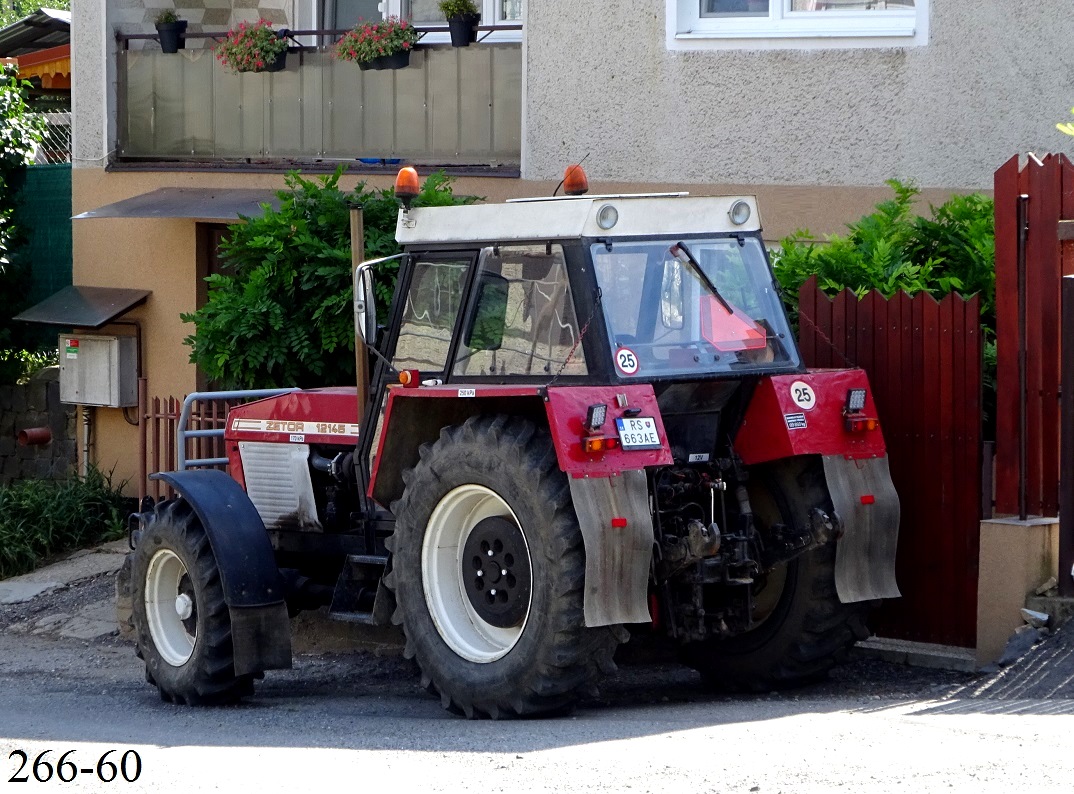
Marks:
<point>339,14</point>
<point>706,24</point>
<point>493,12</point>
<point>522,321</point>
<point>670,317</point>
<point>432,305</point>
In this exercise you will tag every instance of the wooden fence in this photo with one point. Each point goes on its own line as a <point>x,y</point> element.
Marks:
<point>924,361</point>
<point>1031,199</point>
<point>159,421</point>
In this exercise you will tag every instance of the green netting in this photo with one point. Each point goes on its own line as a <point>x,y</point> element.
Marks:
<point>44,213</point>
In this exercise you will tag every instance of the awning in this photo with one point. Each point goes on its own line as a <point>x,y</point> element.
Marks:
<point>38,31</point>
<point>196,203</point>
<point>52,67</point>
<point>84,307</point>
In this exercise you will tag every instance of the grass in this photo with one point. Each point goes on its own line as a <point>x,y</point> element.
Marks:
<point>40,519</point>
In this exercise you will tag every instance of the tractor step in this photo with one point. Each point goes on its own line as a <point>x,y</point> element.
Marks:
<point>355,592</point>
<point>364,618</point>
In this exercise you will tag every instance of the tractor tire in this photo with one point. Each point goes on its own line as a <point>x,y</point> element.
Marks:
<point>488,570</point>
<point>182,626</point>
<point>806,629</point>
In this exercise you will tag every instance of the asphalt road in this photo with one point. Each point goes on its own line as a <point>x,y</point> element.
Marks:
<point>360,721</point>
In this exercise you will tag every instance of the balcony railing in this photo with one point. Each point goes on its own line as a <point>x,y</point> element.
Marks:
<point>451,106</point>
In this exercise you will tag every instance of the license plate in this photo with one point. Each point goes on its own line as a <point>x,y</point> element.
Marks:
<point>638,432</point>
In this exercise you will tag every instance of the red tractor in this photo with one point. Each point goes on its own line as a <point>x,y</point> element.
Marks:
<point>587,416</point>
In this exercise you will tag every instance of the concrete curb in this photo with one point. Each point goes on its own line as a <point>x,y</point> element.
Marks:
<point>84,564</point>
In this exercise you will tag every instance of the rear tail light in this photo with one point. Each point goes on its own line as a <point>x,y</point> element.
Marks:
<point>861,424</point>
<point>593,444</point>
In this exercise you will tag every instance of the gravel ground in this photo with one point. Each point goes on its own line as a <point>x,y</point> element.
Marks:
<point>362,716</point>
<point>646,675</point>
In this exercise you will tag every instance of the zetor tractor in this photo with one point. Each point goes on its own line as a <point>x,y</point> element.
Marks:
<point>587,417</point>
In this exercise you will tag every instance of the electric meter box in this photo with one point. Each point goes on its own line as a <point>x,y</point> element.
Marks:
<point>99,370</point>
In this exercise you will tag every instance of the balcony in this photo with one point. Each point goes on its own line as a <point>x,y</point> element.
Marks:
<point>451,107</point>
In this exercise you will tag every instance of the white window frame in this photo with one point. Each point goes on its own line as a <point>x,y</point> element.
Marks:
<point>785,29</point>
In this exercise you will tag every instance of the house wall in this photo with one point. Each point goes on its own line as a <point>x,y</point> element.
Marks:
<point>993,81</point>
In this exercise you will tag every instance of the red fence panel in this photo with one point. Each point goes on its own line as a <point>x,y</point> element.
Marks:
<point>924,360</point>
<point>1048,185</point>
<point>160,420</point>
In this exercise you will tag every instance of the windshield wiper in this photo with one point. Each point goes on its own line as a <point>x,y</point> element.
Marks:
<point>682,254</point>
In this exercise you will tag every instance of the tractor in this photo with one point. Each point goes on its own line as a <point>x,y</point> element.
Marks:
<point>584,417</point>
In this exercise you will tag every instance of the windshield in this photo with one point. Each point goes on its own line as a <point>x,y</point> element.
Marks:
<point>684,307</point>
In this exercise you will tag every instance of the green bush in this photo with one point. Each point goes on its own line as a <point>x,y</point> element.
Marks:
<point>894,249</point>
<point>282,315</point>
<point>39,519</point>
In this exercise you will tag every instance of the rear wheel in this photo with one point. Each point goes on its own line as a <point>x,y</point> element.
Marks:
<point>488,570</point>
<point>803,629</point>
<point>181,623</point>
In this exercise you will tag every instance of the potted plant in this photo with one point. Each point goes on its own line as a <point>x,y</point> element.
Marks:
<point>171,30</point>
<point>254,48</point>
<point>462,17</point>
<point>386,44</point>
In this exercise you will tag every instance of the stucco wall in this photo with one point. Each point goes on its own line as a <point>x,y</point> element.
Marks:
<point>993,80</point>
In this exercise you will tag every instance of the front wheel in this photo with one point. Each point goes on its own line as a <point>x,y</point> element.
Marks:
<point>488,570</point>
<point>182,625</point>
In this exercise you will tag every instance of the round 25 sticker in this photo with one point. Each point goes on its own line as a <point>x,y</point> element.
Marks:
<point>626,360</point>
<point>803,395</point>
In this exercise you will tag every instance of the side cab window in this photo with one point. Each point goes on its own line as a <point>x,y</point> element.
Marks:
<point>521,320</point>
<point>433,301</point>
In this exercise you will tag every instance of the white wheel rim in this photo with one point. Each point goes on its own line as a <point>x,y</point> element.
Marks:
<point>163,607</point>
<point>459,625</point>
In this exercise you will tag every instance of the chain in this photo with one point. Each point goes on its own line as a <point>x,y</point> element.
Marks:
<point>824,337</point>
<point>581,336</point>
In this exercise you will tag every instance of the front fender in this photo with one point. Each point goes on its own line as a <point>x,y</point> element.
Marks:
<point>251,580</point>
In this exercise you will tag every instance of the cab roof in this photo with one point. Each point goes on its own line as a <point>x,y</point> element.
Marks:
<point>573,217</point>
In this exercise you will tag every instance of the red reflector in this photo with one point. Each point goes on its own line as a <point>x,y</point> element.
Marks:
<point>868,499</point>
<point>619,523</point>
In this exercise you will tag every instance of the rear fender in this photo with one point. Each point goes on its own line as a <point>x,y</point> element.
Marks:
<point>803,414</point>
<point>416,416</point>
<point>253,587</point>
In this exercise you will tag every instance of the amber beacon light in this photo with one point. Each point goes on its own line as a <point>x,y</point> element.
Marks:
<point>575,182</point>
<point>406,185</point>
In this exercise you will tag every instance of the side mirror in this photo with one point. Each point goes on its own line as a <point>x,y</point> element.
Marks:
<point>485,329</point>
<point>365,309</point>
